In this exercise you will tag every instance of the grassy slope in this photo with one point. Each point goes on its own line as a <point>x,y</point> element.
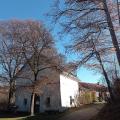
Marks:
<point>109,112</point>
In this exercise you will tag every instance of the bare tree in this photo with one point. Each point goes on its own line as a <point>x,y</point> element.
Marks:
<point>83,19</point>
<point>27,43</point>
<point>98,56</point>
<point>11,60</point>
<point>93,55</point>
<point>86,19</point>
<point>112,31</point>
<point>37,47</point>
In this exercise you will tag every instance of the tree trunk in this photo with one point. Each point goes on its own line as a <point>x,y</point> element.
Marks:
<point>11,99</point>
<point>112,31</point>
<point>33,96</point>
<point>106,77</point>
<point>32,104</point>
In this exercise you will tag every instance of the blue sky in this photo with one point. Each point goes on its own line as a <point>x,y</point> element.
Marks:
<point>36,9</point>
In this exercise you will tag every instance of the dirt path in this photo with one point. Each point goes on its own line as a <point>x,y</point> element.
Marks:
<point>84,114</point>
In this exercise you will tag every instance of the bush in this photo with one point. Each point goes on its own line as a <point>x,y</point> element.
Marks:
<point>109,112</point>
<point>86,97</point>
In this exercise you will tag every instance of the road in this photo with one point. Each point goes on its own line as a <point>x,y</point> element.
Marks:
<point>83,114</point>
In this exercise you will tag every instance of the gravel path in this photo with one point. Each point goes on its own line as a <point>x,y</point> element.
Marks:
<point>84,114</point>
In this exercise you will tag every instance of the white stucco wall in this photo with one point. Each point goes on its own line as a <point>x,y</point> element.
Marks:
<point>68,87</point>
<point>52,90</point>
<point>25,76</point>
<point>59,92</point>
<point>20,96</point>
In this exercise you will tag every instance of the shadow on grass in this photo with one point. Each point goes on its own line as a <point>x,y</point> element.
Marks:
<point>42,116</point>
<point>45,116</point>
<point>57,115</point>
<point>6,114</point>
<point>109,112</point>
<point>26,116</point>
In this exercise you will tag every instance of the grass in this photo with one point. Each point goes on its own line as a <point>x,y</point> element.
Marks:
<point>18,118</point>
<point>4,115</point>
<point>46,116</point>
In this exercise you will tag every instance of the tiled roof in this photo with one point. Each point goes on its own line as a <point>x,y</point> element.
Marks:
<point>92,86</point>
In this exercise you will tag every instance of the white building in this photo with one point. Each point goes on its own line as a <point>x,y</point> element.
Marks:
<point>56,96</point>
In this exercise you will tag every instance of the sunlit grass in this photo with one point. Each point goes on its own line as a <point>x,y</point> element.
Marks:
<point>17,118</point>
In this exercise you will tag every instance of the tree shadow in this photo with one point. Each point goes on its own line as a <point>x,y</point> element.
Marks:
<point>7,114</point>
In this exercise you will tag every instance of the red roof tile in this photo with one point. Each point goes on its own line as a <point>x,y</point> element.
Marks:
<point>93,86</point>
